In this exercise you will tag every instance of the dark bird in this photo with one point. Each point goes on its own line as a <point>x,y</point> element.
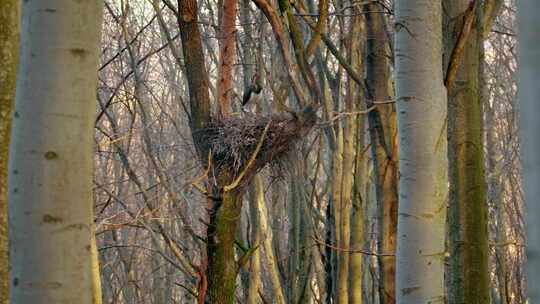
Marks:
<point>254,87</point>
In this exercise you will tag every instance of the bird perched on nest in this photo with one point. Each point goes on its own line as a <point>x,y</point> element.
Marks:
<point>254,87</point>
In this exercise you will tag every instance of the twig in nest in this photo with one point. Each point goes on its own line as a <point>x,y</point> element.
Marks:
<point>250,162</point>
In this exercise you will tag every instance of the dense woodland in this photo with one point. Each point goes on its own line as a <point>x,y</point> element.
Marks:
<point>269,151</point>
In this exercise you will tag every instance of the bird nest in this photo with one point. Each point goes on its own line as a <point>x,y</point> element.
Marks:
<point>244,145</point>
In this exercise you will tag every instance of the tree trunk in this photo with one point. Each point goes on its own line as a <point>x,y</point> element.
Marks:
<point>358,219</point>
<point>340,279</point>
<point>50,183</point>
<point>225,207</point>
<point>467,214</point>
<point>197,77</point>
<point>255,283</point>
<point>227,51</point>
<point>9,53</point>
<point>222,266</point>
<point>421,107</point>
<point>530,107</point>
<point>267,239</point>
<point>382,130</point>
<point>355,99</point>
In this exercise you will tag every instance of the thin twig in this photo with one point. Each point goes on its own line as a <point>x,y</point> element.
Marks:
<point>250,162</point>
<point>350,250</point>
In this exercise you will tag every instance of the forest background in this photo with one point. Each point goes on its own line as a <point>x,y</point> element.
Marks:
<point>196,197</point>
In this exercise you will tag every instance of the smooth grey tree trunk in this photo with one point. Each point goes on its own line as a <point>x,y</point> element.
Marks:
<point>529,97</point>
<point>423,184</point>
<point>50,177</point>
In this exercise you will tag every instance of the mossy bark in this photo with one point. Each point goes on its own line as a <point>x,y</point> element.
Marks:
<point>467,214</point>
<point>225,207</point>
<point>9,49</point>
<point>222,265</point>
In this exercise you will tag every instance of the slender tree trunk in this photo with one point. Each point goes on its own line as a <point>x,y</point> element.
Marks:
<point>358,161</point>
<point>51,166</point>
<point>421,107</point>
<point>467,214</point>
<point>346,204</point>
<point>530,124</point>
<point>267,243</point>
<point>9,53</point>
<point>97,295</point>
<point>227,51</point>
<point>255,283</point>
<point>340,279</point>
<point>295,227</point>
<point>383,130</point>
<point>358,220</point>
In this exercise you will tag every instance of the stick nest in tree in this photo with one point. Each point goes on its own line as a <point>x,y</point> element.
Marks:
<point>245,145</point>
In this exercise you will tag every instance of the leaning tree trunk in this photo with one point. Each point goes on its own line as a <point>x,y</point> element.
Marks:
<point>50,183</point>
<point>9,52</point>
<point>421,107</point>
<point>530,124</point>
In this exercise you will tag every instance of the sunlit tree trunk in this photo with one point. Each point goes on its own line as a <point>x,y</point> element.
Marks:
<point>529,74</point>
<point>467,214</point>
<point>9,52</point>
<point>421,108</point>
<point>50,182</point>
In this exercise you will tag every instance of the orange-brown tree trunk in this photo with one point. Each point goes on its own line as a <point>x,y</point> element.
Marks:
<point>382,130</point>
<point>227,51</point>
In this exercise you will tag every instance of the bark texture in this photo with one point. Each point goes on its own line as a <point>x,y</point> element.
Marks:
<point>421,107</point>
<point>226,56</point>
<point>467,214</point>
<point>50,182</point>
<point>255,283</point>
<point>221,254</point>
<point>383,132</point>
<point>9,52</point>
